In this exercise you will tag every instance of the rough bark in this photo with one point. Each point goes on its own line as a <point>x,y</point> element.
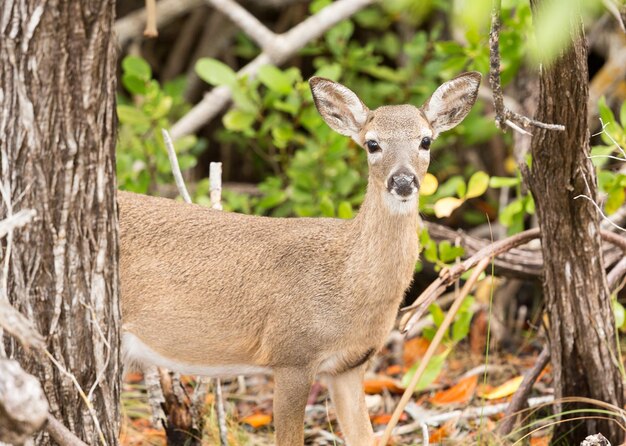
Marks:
<point>582,335</point>
<point>58,132</point>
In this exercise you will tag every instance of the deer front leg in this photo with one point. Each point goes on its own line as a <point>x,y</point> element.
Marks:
<point>346,392</point>
<point>291,391</point>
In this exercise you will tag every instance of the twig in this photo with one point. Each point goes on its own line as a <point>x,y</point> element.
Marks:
<point>276,51</point>
<point>215,185</point>
<point>616,274</point>
<point>151,20</point>
<point>62,435</point>
<point>132,25</point>
<point>16,324</point>
<point>520,396</point>
<point>15,221</point>
<point>504,116</point>
<point>178,176</point>
<point>221,413</point>
<point>434,344</point>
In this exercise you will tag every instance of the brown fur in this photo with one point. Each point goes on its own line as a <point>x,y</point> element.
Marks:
<point>300,296</point>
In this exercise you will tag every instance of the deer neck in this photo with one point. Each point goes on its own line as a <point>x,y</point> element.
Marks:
<point>385,248</point>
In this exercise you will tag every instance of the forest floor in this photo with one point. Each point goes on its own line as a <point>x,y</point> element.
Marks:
<point>466,397</point>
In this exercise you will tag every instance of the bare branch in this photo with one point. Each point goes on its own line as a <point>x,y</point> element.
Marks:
<point>151,20</point>
<point>16,324</point>
<point>62,435</point>
<point>258,32</point>
<point>23,404</point>
<point>15,221</point>
<point>178,176</point>
<point>504,116</point>
<point>215,185</point>
<point>282,47</point>
<point>132,25</point>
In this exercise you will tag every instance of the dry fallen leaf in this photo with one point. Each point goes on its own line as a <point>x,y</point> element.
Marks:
<point>504,390</point>
<point>384,418</point>
<point>540,441</point>
<point>257,420</point>
<point>414,350</point>
<point>460,393</point>
<point>377,385</point>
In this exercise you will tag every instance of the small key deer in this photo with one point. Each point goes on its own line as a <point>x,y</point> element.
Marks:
<point>214,293</point>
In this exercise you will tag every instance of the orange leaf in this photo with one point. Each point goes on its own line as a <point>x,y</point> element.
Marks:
<point>257,420</point>
<point>384,418</point>
<point>373,386</point>
<point>414,349</point>
<point>440,434</point>
<point>395,369</point>
<point>504,390</point>
<point>460,393</point>
<point>539,441</point>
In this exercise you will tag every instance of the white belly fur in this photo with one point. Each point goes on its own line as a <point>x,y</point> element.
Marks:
<point>134,351</point>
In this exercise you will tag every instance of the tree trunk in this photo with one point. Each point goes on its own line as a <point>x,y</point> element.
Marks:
<point>582,333</point>
<point>58,133</point>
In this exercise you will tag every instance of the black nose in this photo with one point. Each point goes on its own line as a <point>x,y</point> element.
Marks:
<point>403,183</point>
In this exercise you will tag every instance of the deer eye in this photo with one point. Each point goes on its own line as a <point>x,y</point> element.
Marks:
<point>425,144</point>
<point>372,146</point>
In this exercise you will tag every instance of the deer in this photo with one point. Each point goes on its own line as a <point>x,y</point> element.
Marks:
<point>214,293</point>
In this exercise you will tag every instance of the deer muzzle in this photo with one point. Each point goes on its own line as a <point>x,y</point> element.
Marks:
<point>403,184</point>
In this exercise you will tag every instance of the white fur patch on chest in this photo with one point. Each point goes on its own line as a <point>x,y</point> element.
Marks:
<point>134,351</point>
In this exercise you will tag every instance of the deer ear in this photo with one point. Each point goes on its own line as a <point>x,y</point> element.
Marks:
<point>452,101</point>
<point>340,107</point>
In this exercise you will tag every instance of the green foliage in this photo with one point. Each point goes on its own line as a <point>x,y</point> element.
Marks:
<point>142,161</point>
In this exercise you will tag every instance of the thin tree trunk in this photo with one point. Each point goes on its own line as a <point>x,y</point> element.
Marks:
<point>582,334</point>
<point>57,142</point>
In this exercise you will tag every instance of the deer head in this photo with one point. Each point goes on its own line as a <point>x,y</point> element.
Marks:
<point>397,138</point>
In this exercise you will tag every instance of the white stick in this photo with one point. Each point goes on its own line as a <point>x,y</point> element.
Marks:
<point>215,185</point>
<point>178,176</point>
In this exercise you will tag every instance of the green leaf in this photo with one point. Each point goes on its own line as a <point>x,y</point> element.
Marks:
<point>215,72</point>
<point>477,184</point>
<point>327,207</point>
<point>344,210</point>
<point>619,313</point>
<point>622,115</point>
<point>133,84</point>
<point>138,67</point>
<point>274,79</point>
<point>461,326</point>
<point>434,367</point>
<point>130,115</point>
<point>509,212</point>
<point>615,200</point>
<point>437,314</point>
<point>238,120</point>
<point>498,182</point>
<point>448,253</point>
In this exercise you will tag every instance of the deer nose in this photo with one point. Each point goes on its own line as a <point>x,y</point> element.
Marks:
<point>403,184</point>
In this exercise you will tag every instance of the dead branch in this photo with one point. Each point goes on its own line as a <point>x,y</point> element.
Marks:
<point>151,20</point>
<point>17,325</point>
<point>520,396</point>
<point>505,116</point>
<point>616,275</point>
<point>15,221</point>
<point>178,176</point>
<point>132,25</point>
<point>23,405</point>
<point>275,51</point>
<point>62,435</point>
